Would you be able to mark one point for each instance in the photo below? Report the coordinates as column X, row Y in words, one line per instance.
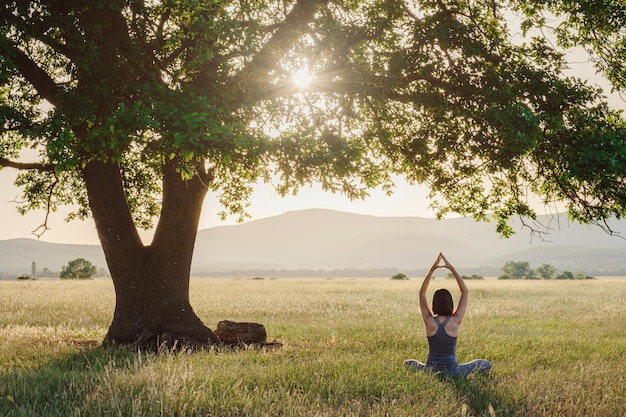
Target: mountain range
column 327, row 240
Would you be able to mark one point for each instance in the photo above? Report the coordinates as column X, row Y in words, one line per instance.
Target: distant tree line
column 394, row 273
column 522, row 270
column 302, row 273
column 466, row 277
column 511, row 270
column 79, row 268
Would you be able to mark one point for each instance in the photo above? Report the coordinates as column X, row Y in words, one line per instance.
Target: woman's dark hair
column 442, row 303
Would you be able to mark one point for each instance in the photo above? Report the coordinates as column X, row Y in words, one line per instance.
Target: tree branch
column 37, row 77
column 26, row 165
column 41, row 33
column 278, row 45
column 43, row 228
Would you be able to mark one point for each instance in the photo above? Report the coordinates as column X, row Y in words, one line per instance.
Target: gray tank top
column 441, row 347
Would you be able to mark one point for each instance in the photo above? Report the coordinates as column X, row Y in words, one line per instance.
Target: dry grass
column 558, row 349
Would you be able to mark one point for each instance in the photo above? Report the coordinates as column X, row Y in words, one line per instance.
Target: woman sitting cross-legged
column 442, row 329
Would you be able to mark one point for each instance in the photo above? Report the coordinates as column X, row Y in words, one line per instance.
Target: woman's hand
column 436, row 264
column 446, row 264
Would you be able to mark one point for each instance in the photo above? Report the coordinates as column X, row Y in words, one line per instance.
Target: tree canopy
column 136, row 109
column 596, row 26
column 546, row 271
column 79, row 268
column 518, row 270
column 432, row 90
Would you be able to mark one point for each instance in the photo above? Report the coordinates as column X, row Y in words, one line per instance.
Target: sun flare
column 302, row 78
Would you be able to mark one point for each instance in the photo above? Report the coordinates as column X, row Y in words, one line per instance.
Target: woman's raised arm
column 426, row 314
column 460, row 310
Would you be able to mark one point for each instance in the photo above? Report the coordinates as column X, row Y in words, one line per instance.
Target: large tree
column 137, row 109
column 598, row 26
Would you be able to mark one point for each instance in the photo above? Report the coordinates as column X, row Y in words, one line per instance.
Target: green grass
column 557, row 348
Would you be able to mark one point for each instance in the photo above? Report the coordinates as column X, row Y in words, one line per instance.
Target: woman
column 442, row 328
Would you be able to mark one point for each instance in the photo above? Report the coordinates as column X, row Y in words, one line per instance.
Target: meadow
column 558, row 348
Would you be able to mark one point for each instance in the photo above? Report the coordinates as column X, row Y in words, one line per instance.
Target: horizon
column 337, row 241
column 406, row 201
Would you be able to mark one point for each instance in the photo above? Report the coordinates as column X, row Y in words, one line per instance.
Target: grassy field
column 558, row 348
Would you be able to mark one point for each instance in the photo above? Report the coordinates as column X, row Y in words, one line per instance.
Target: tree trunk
column 152, row 306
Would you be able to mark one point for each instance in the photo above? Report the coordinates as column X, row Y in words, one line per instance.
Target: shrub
column 400, row 276
column 582, row 276
column 569, row 275
column 466, row 277
column 25, row 277
column 473, row 276
column 565, row 275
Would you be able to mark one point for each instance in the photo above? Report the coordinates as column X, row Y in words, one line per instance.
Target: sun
column 302, row 78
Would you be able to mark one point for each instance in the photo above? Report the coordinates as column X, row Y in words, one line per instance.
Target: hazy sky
column 406, row 201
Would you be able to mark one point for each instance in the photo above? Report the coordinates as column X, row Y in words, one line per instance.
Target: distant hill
column 17, row 255
column 319, row 239
column 327, row 240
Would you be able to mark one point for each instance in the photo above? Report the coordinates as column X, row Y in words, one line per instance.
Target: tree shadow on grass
column 480, row 396
column 71, row 377
column 58, row 384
